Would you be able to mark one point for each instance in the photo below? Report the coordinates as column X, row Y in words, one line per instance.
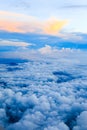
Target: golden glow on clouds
column 53, row 26
column 20, row 27
column 13, row 22
column 10, row 26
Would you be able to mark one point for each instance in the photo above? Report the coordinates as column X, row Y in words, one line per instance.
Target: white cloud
column 81, row 121
column 47, row 93
column 47, row 50
column 14, row 43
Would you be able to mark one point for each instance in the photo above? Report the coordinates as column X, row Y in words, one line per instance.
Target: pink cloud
column 22, row 23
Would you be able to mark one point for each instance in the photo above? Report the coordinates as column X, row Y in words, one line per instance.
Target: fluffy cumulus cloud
column 47, row 50
column 44, row 93
column 82, row 121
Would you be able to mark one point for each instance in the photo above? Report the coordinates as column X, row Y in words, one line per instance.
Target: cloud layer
column 46, row 93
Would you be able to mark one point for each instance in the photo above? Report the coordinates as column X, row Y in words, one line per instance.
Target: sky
column 66, row 19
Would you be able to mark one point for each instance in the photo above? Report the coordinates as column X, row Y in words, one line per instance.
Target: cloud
column 15, row 17
column 20, row 27
column 10, row 26
column 32, row 98
column 47, row 50
column 21, row 4
column 14, row 43
column 13, row 22
column 71, row 36
column 53, row 26
column 75, row 7
column 81, row 121
column 17, row 6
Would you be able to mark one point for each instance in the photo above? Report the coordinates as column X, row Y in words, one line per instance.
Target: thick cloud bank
column 44, row 94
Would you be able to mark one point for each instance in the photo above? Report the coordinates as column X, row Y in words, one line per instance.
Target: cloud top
column 46, row 92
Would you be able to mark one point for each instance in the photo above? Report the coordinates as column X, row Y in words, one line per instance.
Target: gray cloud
column 74, row 6
column 25, row 4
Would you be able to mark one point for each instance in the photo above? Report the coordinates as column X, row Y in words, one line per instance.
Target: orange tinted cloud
column 13, row 22
column 20, row 27
column 11, row 16
column 53, row 26
column 10, row 26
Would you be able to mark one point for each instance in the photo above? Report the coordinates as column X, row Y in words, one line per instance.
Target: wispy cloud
column 20, row 4
column 13, row 22
column 11, row 16
column 14, row 43
column 75, row 6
